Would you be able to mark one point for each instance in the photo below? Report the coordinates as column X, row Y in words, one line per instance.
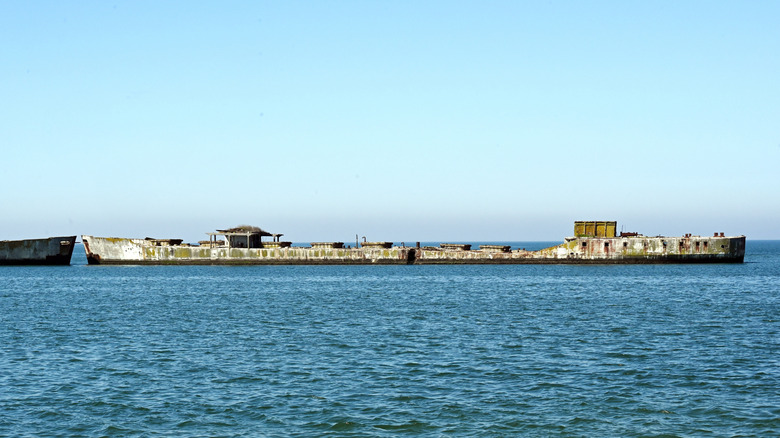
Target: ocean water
column 625, row 351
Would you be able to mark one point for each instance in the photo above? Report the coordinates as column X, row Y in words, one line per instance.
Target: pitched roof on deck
column 245, row 229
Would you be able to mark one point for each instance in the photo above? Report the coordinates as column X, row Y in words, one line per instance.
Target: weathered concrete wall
column 623, row 250
column 118, row 250
column 47, row 251
column 640, row 249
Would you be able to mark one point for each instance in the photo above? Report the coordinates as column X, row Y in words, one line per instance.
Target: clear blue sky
column 400, row 121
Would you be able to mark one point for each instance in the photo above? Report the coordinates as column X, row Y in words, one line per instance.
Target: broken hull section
column 594, row 250
column 579, row 250
column 46, row 251
column 114, row 250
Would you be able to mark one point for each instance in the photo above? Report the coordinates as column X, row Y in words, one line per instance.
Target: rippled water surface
column 392, row 350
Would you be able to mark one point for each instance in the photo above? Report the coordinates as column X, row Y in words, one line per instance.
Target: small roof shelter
column 243, row 236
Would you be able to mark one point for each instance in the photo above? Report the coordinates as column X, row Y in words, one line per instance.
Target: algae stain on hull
column 575, row 250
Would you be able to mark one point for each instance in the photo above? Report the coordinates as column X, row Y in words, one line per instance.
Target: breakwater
column 575, row 250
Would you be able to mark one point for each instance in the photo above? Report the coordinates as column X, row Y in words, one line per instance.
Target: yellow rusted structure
column 595, row 228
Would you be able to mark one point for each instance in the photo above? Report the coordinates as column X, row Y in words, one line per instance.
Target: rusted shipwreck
column 44, row 251
column 594, row 242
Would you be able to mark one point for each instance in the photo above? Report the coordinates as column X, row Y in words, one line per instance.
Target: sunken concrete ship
column 45, row 251
column 594, row 242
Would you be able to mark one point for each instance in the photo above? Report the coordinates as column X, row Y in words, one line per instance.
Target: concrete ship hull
column 46, row 251
column 616, row 250
column 577, row 250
